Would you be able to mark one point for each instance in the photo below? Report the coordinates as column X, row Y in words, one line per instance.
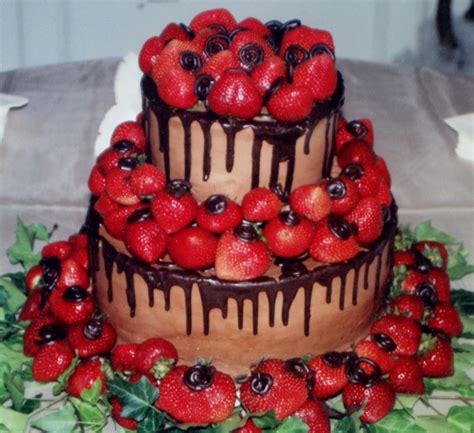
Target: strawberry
column 365, row 176
column 193, row 248
column 267, row 73
column 437, row 361
column 105, row 205
column 356, row 151
column 406, row 377
column 436, row 252
column 77, row 241
column 71, row 304
column 382, row 169
column 82, row 257
column 147, row 179
column 144, row 238
column 73, row 274
column 220, row 16
column 440, row 281
column 260, row 204
column 176, row 88
column 343, row 193
column 251, row 49
column 96, row 181
column 123, row 357
column 411, row 306
column 406, row 258
column 115, row 221
column 32, row 307
column 367, row 217
column 84, row 376
column 255, row 25
column 445, row 318
column 92, row 337
column 51, row 361
column 379, row 351
column 319, row 75
column 130, row 131
column 211, row 40
column 311, row 201
column 153, row 350
column 218, row 214
column 384, row 195
column 219, row 63
column 291, row 103
column 117, row 407
column 235, row 95
column 150, row 53
column 360, row 129
column 249, row 427
column 314, row 415
column 118, row 188
column 174, row 31
column 306, row 38
column 175, row 207
column 42, row 331
column 329, row 375
column 413, row 279
column 199, row 394
column 288, row 235
column 110, row 157
column 274, row 385
column 378, row 400
column 405, row 333
column 240, row 255
column 59, row 249
column 333, row 241
column 33, row 277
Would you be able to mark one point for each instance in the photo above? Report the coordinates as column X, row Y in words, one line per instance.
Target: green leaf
column 265, row 420
column 426, row 232
column 16, row 388
column 5, row 369
column 398, row 421
column 4, row 429
column 61, row 383
column 92, row 394
column 461, row 418
column 404, row 238
column 291, row 424
column 435, row 424
column 136, row 398
column 91, row 416
column 345, row 425
column 13, row 421
column 13, row 358
column 463, row 300
column 154, row 422
column 15, row 297
column 63, row 420
column 18, row 278
column 468, row 327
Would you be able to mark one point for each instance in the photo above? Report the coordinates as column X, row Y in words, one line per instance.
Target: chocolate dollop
column 93, row 329
column 427, row 292
column 51, row 333
column 246, row 232
column 353, row 171
column 128, row 164
column 339, row 227
column 357, row 129
column 202, row 86
column 333, row 359
column 289, row 218
column 385, row 342
column 357, row 375
column 178, row 188
column 215, row 204
column 123, row 146
column 336, row 188
column 318, row 49
column 261, row 383
column 140, row 215
column 75, row 294
column 199, row 377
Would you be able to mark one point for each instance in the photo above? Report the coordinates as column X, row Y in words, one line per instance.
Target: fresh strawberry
column 211, row 17
column 406, row 377
column 378, row 400
column 411, row 306
column 440, row 280
column 59, row 249
column 123, row 357
column 343, row 193
column 193, row 248
column 333, row 241
column 437, row 361
column 360, row 129
column 73, row 274
column 42, row 331
column 306, row 38
column 115, row 221
column 406, row 258
column 274, row 386
column 176, row 88
column 251, row 49
column 241, row 255
column 82, row 257
column 291, row 103
column 33, row 277
column 288, row 235
column 356, row 151
column 147, row 180
column 71, row 304
column 211, row 40
column 199, row 394
column 329, row 374
column 218, row 214
column 117, row 407
column 319, row 75
column 92, row 337
column 267, row 73
column 255, row 25
column 84, row 376
column 405, row 333
column 260, row 204
column 249, row 427
column 413, row 279
column 149, row 53
column 445, row 318
column 175, row 207
column 384, row 195
column 51, row 361
column 377, row 351
column 174, row 31
column 382, row 169
column 151, row 351
column 96, row 181
column 105, row 205
column 118, row 188
column 32, row 308
column 311, row 201
column 235, row 95
column 368, row 218
column 129, row 131
column 78, row 241
column 314, row 415
column 110, row 157
column 144, row 238
column 366, row 178
column 436, row 252
column 219, row 63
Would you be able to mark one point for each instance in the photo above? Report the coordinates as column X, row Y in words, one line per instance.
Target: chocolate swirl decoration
column 75, row 294
column 51, row 272
column 289, row 218
column 278, row 30
column 318, row 49
column 51, row 333
column 251, row 55
column 215, row 44
column 296, row 54
column 422, row 263
column 357, row 375
column 385, row 342
column 336, row 188
column 427, row 292
column 219, row 27
column 123, row 146
column 246, row 232
column 333, row 359
column 140, row 215
column 339, row 227
column 215, row 204
column 178, row 188
column 202, row 86
column 190, row 61
column 188, row 30
column 261, row 383
column 128, row 164
column 274, row 87
column 199, row 377
column 357, row 129
column 93, row 329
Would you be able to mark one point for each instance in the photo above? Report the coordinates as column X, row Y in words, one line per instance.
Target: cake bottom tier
column 312, row 309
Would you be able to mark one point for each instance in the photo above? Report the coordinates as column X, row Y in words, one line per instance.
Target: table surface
column 48, row 147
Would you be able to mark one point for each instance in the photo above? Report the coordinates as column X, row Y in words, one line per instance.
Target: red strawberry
column 260, row 204
column 40, row 332
column 218, row 214
column 199, row 394
column 193, row 248
column 51, row 361
column 360, row 129
column 105, row 205
column 79, row 241
column 445, row 318
column 175, row 207
column 384, row 195
column 437, row 361
column 151, row 351
column 149, row 53
column 241, row 255
column 306, row 38
column 314, row 415
column 71, row 304
column 255, row 25
column 249, row 427
column 368, row 218
column 82, row 257
column 274, row 386
column 129, row 131
column 366, row 178
column 235, row 95
column 406, row 258
column 343, row 193
column 319, row 75
column 128, row 423
column 406, row 377
column 147, row 180
column 251, row 49
column 311, row 201
column 405, row 332
column 118, row 188
column 267, row 73
column 33, row 277
column 110, row 157
column 378, row 352
column 291, row 103
column 440, row 280
column 219, row 63
column 96, row 181
column 176, row 87
column 182, row 55
column 123, row 357
column 84, row 376
column 174, row 31
column 92, row 337
column 411, row 306
column 211, row 17
column 210, row 46
column 329, row 375
column 288, row 235
column 436, row 252
column 413, row 279
column 73, row 274
column 333, row 241
column 145, row 239
column 382, row 168
column 378, row 400
column 59, row 249
column 116, row 221
column 32, row 307
column 356, row 151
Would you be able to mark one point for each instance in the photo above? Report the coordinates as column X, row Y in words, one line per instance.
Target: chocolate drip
column 186, row 121
column 366, row 276
column 256, row 153
column 206, row 164
column 355, row 287
column 377, row 274
column 342, row 292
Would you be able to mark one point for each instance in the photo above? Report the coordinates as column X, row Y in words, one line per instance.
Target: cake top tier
column 241, row 69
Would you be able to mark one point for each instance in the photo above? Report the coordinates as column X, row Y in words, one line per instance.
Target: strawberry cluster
column 237, row 68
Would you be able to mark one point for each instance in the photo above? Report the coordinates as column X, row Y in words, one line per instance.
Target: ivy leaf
column 15, row 298
column 154, row 422
column 461, row 418
column 463, row 300
column 5, row 369
column 468, row 327
column 398, row 421
column 13, row 358
column 18, row 278
column 16, row 388
column 136, row 398
column 29, row 405
column 291, row 424
column 92, row 394
column 13, row 421
column 404, row 238
column 426, row 232
column 265, row 420
column 61, row 421
column 435, row 424
column 90, row 416
column 61, row 383
column 345, row 425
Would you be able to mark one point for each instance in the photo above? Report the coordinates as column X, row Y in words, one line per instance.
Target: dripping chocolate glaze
column 216, row 293
column 281, row 135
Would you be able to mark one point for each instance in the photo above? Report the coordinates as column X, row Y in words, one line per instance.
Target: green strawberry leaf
column 463, row 300
column 63, row 420
column 61, row 383
column 291, row 424
column 404, row 238
column 426, row 232
column 345, row 425
column 265, row 420
column 15, row 298
column 5, row 370
column 398, row 421
column 92, row 395
column 154, row 422
column 461, row 418
column 91, row 417
column 14, row 358
column 13, row 421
